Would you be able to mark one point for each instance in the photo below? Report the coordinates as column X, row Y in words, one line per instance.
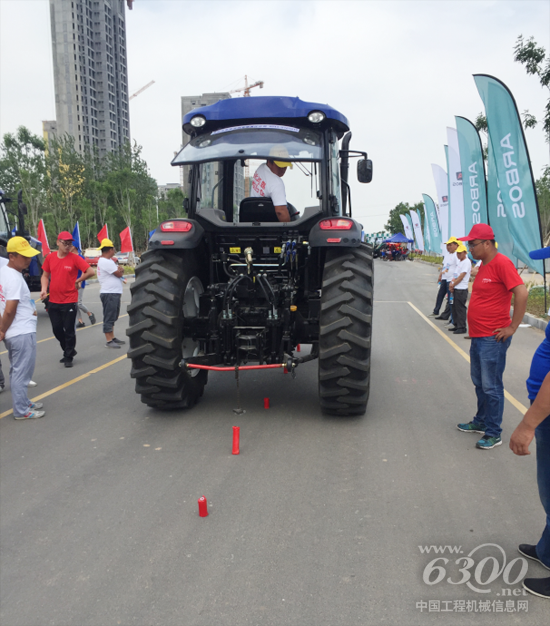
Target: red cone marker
column 298, row 348
column 203, row 507
column 266, row 403
column 236, row 438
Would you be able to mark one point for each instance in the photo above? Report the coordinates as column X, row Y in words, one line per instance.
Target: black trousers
column 440, row 295
column 63, row 318
column 459, row 308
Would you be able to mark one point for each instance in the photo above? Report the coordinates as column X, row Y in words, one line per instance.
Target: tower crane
column 140, row 90
column 247, row 87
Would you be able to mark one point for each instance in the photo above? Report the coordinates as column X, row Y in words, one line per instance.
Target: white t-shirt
column 108, row 283
column 463, row 266
column 449, row 266
column 266, row 184
column 14, row 287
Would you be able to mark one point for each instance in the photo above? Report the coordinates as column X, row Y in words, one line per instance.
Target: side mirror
column 364, row 171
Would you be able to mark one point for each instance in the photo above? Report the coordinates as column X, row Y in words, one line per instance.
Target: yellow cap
column 279, row 152
column 452, row 240
column 461, row 248
column 18, row 245
column 106, row 243
column 283, row 164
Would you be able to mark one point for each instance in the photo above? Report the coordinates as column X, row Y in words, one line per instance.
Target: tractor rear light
column 167, row 242
column 336, row 224
column 177, row 226
column 334, row 240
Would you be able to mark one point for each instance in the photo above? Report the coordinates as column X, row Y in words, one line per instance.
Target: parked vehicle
column 230, row 284
column 127, row 258
column 92, row 255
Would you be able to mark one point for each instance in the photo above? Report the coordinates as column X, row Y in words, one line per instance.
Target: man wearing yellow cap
column 445, row 276
column 109, row 275
column 267, row 183
column 18, row 326
column 458, row 287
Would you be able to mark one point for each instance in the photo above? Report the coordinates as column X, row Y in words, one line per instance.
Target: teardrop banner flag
column 433, row 224
column 456, row 196
column 474, row 184
column 495, row 210
column 442, row 189
column 103, row 234
column 511, row 159
column 417, row 230
column 42, row 238
column 427, row 238
column 408, row 229
column 126, row 241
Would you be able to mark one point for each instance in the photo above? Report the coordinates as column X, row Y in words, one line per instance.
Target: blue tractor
column 230, row 286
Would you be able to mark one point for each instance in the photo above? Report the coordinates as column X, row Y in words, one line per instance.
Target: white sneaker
column 32, row 383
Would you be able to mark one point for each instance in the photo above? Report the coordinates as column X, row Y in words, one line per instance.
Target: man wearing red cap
column 491, row 331
column 60, row 271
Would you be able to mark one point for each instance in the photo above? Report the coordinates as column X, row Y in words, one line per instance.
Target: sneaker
column 36, row 405
column 92, row 318
column 433, row 314
column 471, row 427
column 487, row 443
column 451, row 328
column 81, row 325
column 119, row 341
column 538, row 587
column 63, row 359
column 31, row 415
column 530, row 552
column 2, row 387
column 460, row 331
column 112, row 344
column 440, row 317
column 32, row 383
column 68, row 362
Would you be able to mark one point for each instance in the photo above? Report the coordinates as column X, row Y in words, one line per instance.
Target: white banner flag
column 407, row 228
column 440, row 177
column 456, row 196
column 417, row 230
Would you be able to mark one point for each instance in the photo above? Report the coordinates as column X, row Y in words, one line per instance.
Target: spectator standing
column 3, row 262
column 445, row 276
column 491, row 331
column 60, row 272
column 458, row 287
column 110, row 277
column 18, row 326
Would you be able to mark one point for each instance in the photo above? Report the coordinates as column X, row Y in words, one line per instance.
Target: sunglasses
column 471, row 244
column 66, row 243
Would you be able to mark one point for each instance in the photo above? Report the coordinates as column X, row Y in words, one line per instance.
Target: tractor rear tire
column 165, row 293
column 345, row 331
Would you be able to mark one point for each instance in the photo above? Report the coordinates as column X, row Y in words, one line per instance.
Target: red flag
column 41, row 236
column 103, row 234
column 126, row 241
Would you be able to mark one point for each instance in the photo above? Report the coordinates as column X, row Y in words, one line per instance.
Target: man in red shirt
column 491, row 330
column 60, row 271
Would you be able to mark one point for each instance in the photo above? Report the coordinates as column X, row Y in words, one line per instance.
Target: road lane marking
column 77, row 330
column 516, row 403
column 69, row 383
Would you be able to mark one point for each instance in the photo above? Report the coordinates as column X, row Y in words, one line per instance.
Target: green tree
column 536, row 63
column 395, row 225
column 22, row 166
column 542, row 186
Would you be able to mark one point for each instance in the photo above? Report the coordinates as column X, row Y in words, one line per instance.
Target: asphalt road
column 317, row 522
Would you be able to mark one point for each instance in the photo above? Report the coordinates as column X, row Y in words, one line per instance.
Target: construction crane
column 247, row 87
column 140, row 90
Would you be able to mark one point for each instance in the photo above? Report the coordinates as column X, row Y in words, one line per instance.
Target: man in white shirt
column 110, row 276
column 18, row 326
column 459, row 290
column 3, row 262
column 267, row 183
column 445, row 277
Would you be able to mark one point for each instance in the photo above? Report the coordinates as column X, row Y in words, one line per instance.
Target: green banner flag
column 474, row 185
column 518, row 204
column 433, row 224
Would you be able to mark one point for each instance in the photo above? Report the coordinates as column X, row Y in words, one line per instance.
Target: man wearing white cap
column 109, row 275
column 267, row 183
column 18, row 326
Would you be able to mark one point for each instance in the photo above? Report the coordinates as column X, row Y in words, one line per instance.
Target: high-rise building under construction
column 90, row 72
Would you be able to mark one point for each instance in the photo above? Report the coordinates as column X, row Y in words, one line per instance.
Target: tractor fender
column 335, row 237
column 177, row 240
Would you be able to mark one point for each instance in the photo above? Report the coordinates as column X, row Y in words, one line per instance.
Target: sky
column 398, row 70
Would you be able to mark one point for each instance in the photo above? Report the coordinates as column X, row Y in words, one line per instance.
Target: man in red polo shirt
column 491, row 330
column 60, row 271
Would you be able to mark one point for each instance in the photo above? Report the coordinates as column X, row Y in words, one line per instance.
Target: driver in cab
column 267, row 183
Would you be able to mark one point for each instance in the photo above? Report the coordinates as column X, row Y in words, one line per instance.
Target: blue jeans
column 487, row 363
column 542, row 434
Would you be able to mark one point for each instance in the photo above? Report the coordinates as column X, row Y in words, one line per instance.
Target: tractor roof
column 264, row 108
